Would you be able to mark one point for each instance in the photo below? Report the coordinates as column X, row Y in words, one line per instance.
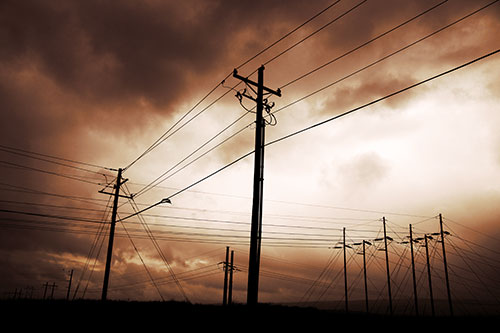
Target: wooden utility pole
column 53, row 287
column 387, row 266
column 226, row 268
column 69, row 284
column 429, row 274
column 442, row 232
column 258, row 184
column 231, row 270
column 364, row 274
column 413, row 272
column 46, row 285
column 109, row 256
column 345, row 272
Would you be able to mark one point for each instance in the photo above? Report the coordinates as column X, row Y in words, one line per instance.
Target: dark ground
column 65, row 316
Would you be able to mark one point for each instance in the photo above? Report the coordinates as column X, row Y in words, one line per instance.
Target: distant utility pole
column 227, row 294
column 109, row 256
column 442, row 232
column 345, row 272
column 426, row 237
column 53, row 287
column 258, row 183
column 69, row 284
column 226, row 271
column 364, row 273
column 413, row 272
column 230, row 292
column 45, row 286
column 387, row 266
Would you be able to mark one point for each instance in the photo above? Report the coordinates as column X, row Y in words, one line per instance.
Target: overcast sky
column 100, row 82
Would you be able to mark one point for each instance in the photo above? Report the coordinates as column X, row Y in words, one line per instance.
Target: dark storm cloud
column 110, row 51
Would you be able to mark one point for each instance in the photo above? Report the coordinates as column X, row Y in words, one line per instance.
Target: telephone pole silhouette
column 69, row 284
column 345, row 272
column 413, row 272
column 226, row 271
column 109, row 256
column 228, row 266
column 431, row 295
column 442, row 233
column 258, row 182
column 387, row 268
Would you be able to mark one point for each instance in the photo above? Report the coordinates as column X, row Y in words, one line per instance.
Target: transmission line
column 384, row 58
column 316, row 31
column 322, row 123
column 166, row 135
column 362, row 45
column 384, row 97
column 27, row 153
column 157, row 247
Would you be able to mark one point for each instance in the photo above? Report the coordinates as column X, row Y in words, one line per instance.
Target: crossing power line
column 373, row 102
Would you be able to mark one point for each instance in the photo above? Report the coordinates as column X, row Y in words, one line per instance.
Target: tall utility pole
column 258, row 184
column 69, row 284
column 445, row 264
column 226, row 268
column 387, row 266
column 345, row 272
column 109, row 256
column 429, row 274
column 413, row 272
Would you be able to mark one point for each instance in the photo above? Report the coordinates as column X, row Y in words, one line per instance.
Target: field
column 168, row 316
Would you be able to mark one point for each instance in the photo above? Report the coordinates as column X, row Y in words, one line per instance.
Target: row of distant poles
column 411, row 241
column 48, row 290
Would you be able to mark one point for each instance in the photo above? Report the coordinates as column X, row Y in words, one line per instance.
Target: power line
column 384, row 97
column 358, row 108
column 316, row 31
column 164, row 136
column 288, row 33
column 158, row 248
column 48, row 172
column 51, row 216
column 363, row 45
column 25, row 153
column 383, row 58
column 322, row 123
column 143, row 263
column 157, row 181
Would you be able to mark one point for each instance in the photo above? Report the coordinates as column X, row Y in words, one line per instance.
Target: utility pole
column 109, row 256
column 364, row 274
column 387, row 266
column 53, row 287
column 445, row 264
column 226, row 268
column 230, row 292
column 429, row 273
column 413, row 272
column 345, row 272
column 69, row 285
column 258, row 184
column 46, row 285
